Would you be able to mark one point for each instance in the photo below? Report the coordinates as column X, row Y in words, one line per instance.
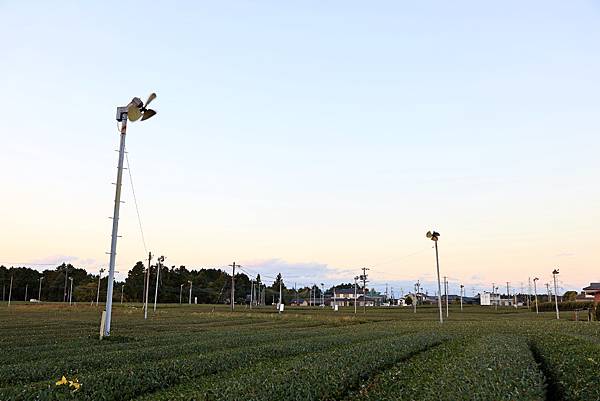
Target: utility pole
column 26, row 286
column 364, row 280
column 461, row 297
column 252, row 293
column 147, row 286
column 507, row 294
column 122, row 288
column 39, row 291
column 190, row 300
column 537, row 312
column 233, row 266
column 492, row 294
column 158, row 267
column 98, row 291
column 548, row 290
column 446, row 293
column 386, row 292
column 180, row 292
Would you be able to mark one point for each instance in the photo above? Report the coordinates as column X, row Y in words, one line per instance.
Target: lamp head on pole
column 555, row 271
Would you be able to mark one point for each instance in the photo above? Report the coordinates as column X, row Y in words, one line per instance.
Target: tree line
column 212, row 286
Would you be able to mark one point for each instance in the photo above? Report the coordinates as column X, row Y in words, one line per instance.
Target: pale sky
column 311, row 138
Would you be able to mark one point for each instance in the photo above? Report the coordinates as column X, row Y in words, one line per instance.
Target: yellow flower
column 75, row 384
column 61, row 381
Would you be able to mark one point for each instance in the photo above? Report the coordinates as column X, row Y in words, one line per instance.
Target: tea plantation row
column 197, row 353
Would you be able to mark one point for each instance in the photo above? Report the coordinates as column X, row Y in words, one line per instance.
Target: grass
column 205, row 352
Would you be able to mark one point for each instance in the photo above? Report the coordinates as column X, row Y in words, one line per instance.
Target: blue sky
column 314, row 134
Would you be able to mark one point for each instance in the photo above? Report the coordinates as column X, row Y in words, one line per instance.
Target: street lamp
column 537, row 312
column 133, row 111
column 190, row 300
column 180, row 291
column 434, row 237
column 98, row 292
column 554, row 274
column 71, row 291
column 461, row 296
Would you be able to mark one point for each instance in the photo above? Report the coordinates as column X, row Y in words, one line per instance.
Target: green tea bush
column 490, row 367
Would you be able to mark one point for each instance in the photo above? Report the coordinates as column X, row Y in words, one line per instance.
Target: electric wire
column 137, row 209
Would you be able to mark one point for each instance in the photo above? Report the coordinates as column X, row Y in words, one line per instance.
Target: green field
column 200, row 352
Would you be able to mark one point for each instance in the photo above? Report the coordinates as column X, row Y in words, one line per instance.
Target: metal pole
column 147, row 285
column 461, row 297
column 158, row 266
column 507, row 294
column 355, row 295
column 66, row 281
column 40, row 290
column 537, row 312
column 190, row 300
column 233, row 265
column 122, row 287
column 556, row 297
column 180, row 292
column 10, row 290
column 115, row 229
column 98, row 292
column 71, row 292
column 446, row 293
column 252, row 293
column 26, row 287
column 437, row 261
column 416, row 297
column 279, row 306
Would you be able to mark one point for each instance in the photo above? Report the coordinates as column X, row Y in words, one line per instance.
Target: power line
column 137, row 210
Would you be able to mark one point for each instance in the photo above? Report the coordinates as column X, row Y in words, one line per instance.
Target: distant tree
column 569, row 296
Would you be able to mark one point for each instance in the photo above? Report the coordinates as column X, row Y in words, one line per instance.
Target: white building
column 489, row 299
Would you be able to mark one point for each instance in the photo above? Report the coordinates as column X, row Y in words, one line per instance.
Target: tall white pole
column 40, row 290
column 537, row 312
column 190, row 300
column 461, row 297
column 98, row 292
column 180, row 292
column 446, row 292
column 115, row 229
column 355, row 294
column 556, row 295
column 437, row 262
column 252, row 293
column 147, row 284
column 26, row 287
column 158, row 266
column 71, row 291
column 10, row 290
column 122, row 288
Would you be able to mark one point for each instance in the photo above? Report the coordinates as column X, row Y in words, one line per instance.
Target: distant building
column 298, row 302
column 592, row 292
column 489, row 299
